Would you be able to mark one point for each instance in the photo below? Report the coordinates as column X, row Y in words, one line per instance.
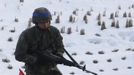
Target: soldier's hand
column 48, row 57
column 66, row 62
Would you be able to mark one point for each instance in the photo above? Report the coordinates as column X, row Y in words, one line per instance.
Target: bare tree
column 104, row 13
column 21, row 1
column 116, row 14
column 127, row 23
column 88, row 13
column 71, row 18
column 112, row 16
column 132, row 5
column 103, row 26
column 85, row 19
column 63, row 29
column 117, row 24
column 130, row 23
column 57, row 19
column 82, row 32
column 129, row 14
column 119, row 7
column 125, row 14
column 29, row 23
column 16, row 20
column 99, row 23
column 69, row 30
column 113, row 23
column 99, row 17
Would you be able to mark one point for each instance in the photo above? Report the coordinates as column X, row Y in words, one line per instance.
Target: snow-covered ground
column 106, row 52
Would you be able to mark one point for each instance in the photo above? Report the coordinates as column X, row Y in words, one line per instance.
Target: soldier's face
column 44, row 24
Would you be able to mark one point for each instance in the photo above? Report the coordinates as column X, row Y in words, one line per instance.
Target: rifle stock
column 77, row 65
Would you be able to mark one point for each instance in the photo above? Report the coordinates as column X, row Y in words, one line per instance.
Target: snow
column 116, row 43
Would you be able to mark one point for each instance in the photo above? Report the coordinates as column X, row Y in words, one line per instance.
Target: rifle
column 77, row 65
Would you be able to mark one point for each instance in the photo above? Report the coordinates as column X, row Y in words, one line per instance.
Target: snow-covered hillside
column 107, row 51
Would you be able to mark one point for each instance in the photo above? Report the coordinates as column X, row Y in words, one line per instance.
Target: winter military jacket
column 35, row 39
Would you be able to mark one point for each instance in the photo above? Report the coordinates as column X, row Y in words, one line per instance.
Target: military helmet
column 41, row 14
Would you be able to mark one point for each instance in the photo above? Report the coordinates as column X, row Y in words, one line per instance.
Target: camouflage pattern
column 34, row 39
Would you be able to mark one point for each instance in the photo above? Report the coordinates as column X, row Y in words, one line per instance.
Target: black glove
column 47, row 57
column 43, row 59
column 30, row 59
column 64, row 61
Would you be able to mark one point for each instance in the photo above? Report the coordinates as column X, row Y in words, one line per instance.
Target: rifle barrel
column 90, row 72
column 80, row 67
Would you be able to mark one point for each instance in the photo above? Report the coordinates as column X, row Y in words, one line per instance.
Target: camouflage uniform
column 34, row 39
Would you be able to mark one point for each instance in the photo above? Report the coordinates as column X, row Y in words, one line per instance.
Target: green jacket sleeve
column 21, row 50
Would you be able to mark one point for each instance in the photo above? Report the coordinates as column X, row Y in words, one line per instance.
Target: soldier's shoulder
column 54, row 29
column 28, row 31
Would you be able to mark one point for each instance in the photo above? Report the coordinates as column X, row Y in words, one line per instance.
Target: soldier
column 40, row 47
